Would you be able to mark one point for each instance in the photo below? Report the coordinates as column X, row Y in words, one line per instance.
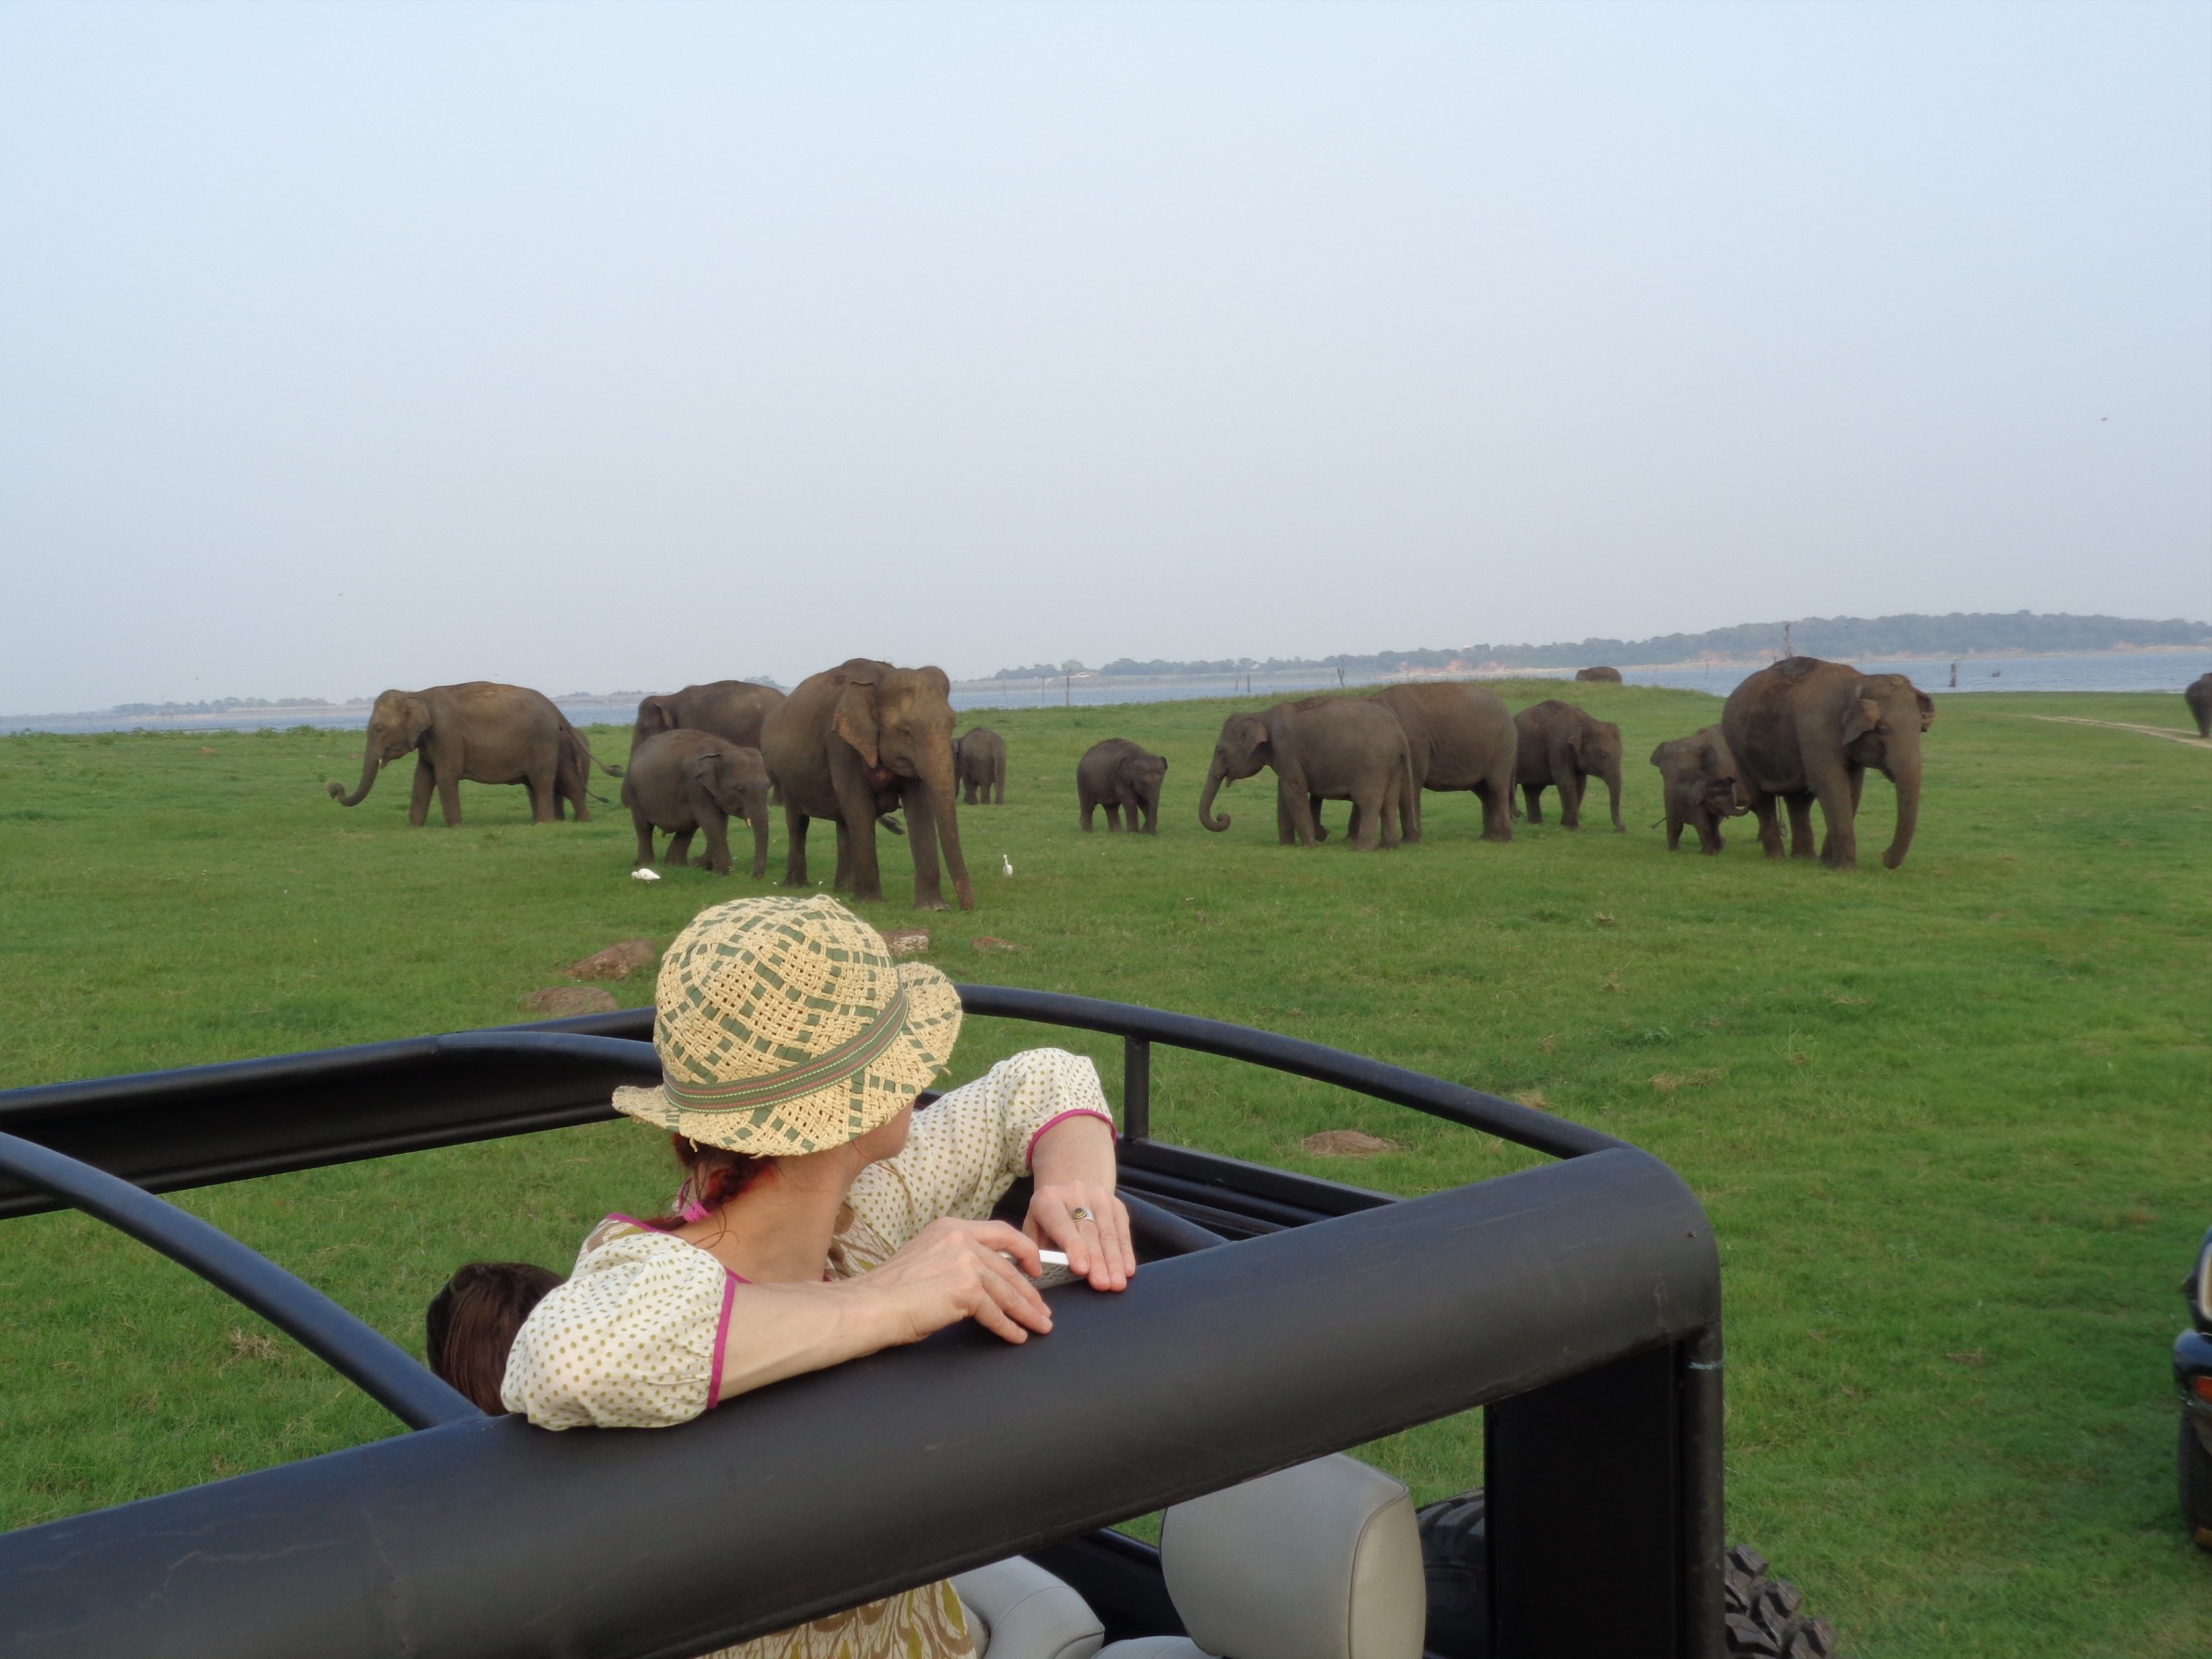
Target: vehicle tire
column 2195, row 1464
column 1765, row 1616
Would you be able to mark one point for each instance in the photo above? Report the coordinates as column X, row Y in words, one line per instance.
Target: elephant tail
column 584, row 748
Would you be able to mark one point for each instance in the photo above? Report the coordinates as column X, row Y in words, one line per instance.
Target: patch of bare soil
column 906, row 941
column 561, row 1002
column 617, row 961
column 1348, row 1143
column 2170, row 732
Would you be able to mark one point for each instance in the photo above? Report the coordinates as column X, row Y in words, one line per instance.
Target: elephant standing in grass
column 1805, row 730
column 980, row 759
column 685, row 781
column 727, row 708
column 859, row 740
column 477, row 732
column 1608, row 677
column 1333, row 748
column 1118, row 775
column 1460, row 736
column 2199, row 695
column 1698, row 776
column 1562, row 747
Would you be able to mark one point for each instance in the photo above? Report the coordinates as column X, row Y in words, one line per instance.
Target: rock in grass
column 560, row 1001
column 906, row 941
column 617, row 961
column 1348, row 1143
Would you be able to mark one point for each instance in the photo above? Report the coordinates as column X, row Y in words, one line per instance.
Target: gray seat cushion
column 1319, row 1561
column 1018, row 1610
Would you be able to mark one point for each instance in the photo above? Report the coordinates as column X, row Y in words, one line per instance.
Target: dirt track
column 2120, row 725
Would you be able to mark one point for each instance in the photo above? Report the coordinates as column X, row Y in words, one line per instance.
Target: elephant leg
column 1151, row 811
column 1857, row 776
column 644, row 826
column 999, row 791
column 1320, row 830
column 1769, row 830
column 418, row 802
column 1534, row 794
column 1090, row 809
column 1801, row 824
column 795, row 852
column 1570, row 799
column 1113, row 818
column 679, row 849
column 1709, row 833
column 759, row 823
column 1391, row 809
column 1497, row 799
column 1285, row 821
column 858, row 872
column 716, row 824
column 1840, row 846
column 842, row 881
column 1674, row 830
column 542, row 798
column 448, row 796
column 921, row 842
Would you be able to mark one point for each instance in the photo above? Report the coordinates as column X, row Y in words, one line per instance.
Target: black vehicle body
column 2193, row 1378
column 1281, row 1317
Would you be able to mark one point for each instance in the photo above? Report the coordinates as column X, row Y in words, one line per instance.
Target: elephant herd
column 859, row 742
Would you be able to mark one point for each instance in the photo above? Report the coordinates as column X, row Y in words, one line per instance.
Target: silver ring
column 1080, row 1214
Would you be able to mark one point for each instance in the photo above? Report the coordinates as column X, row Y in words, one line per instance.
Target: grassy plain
column 1950, row 1122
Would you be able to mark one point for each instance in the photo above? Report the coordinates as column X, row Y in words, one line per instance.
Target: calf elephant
column 856, row 741
column 1118, row 775
column 477, row 732
column 1332, row 748
column 1698, row 776
column 1562, row 747
column 1609, row 677
column 1805, row 730
column 728, row 709
column 684, row 781
column 979, row 758
column 2198, row 694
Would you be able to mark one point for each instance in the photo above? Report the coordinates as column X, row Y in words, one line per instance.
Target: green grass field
column 1951, row 1122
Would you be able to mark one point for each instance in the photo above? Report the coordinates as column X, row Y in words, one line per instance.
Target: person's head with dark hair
column 471, row 1325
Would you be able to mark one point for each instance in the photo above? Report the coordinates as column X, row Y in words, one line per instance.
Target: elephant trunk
column 1612, row 777
column 371, row 765
column 1905, row 774
column 1214, row 775
column 941, row 806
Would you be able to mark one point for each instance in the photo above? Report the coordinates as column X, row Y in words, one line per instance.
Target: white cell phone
column 1052, row 1258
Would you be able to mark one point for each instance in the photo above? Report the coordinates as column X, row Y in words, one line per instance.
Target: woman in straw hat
column 820, row 1218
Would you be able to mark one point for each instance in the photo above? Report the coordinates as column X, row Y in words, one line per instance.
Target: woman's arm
column 1074, row 1168
column 953, row 1270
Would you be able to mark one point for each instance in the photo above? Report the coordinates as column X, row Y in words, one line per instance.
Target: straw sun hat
column 784, row 1027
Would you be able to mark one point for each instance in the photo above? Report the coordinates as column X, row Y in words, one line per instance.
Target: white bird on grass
column 1007, row 862
column 644, row 875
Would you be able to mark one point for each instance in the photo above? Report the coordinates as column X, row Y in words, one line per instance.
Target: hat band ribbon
column 775, row 1087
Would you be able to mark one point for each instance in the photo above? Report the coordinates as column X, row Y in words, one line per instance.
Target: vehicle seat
column 1319, row 1561
column 1018, row 1610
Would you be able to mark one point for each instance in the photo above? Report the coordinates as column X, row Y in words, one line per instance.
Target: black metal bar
column 364, row 1356
column 1165, row 1232
column 1234, row 1179
column 848, row 1484
column 1705, row 1520
column 1137, row 1089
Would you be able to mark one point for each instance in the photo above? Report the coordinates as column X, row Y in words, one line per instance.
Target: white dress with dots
column 634, row 1338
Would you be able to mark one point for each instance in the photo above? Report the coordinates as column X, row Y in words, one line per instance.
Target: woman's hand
column 1073, row 1206
column 955, row 1270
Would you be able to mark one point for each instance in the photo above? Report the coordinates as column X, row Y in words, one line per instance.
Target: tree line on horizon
column 1961, row 633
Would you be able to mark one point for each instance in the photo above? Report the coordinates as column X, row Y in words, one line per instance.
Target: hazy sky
column 622, row 345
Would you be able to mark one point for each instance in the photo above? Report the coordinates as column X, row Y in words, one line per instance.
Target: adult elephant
column 1601, row 676
column 1333, row 748
column 1562, row 747
column 731, row 709
column 2198, row 694
column 1460, row 737
column 857, row 741
column 478, row 732
column 1806, row 730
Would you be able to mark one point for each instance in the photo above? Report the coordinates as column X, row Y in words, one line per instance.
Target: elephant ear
column 1659, row 754
column 1861, row 716
column 1927, row 707
column 657, row 715
column 856, row 719
column 415, row 720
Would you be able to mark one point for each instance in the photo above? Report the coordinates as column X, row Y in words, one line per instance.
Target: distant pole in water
column 1068, row 691
column 1954, row 677
column 1340, row 677
column 1788, row 649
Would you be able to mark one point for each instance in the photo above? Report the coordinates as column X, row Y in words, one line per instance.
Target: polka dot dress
column 628, row 1342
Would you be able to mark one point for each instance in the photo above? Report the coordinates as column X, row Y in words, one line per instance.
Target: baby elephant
column 1698, row 776
column 1117, row 774
column 979, row 760
column 684, row 781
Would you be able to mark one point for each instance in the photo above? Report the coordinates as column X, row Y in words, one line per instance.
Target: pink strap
column 1028, row 1153
column 722, row 1336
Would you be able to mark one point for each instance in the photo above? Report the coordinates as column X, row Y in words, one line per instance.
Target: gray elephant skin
column 979, row 758
column 1607, row 676
column 859, row 740
column 1460, row 737
column 2198, row 694
column 1697, row 775
column 1806, row 730
column 1121, row 777
column 477, row 732
column 1562, row 747
column 1333, row 749
column 686, row 782
column 730, row 708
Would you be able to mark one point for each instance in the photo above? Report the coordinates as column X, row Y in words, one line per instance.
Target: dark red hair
column 712, row 1176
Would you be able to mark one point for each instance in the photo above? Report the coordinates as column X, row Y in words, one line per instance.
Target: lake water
column 2101, row 671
